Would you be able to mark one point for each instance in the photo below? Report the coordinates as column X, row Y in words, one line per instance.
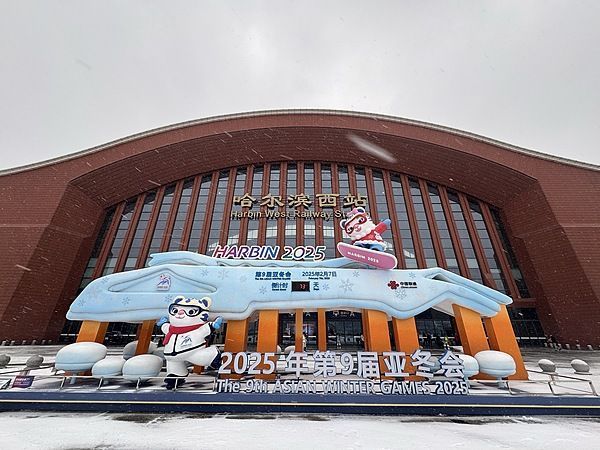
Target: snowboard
column 379, row 260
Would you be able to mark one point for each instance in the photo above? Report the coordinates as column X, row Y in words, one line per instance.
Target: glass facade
column 432, row 225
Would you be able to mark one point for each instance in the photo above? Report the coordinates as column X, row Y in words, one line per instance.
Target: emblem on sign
column 164, row 283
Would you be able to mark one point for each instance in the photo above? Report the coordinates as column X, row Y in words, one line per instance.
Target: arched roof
column 467, row 162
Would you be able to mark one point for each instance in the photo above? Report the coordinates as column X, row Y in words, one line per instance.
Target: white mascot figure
column 359, row 227
column 188, row 338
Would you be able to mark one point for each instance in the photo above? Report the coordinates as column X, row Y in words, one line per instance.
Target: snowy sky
column 76, row 74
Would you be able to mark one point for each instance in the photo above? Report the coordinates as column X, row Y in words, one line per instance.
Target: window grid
column 117, row 243
column 257, row 180
column 271, row 229
column 422, row 223
column 328, row 225
column 309, row 190
column 465, row 237
column 161, row 222
column 408, row 246
column 488, row 249
column 344, row 184
column 443, row 231
column 214, row 231
column 291, row 186
column 138, row 237
column 199, row 214
column 88, row 274
column 238, row 191
column 510, row 255
column 182, row 210
column 383, row 211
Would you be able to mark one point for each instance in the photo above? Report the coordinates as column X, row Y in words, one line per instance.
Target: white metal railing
column 555, row 383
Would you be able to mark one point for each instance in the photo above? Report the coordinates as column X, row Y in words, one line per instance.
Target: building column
column 378, row 335
column 236, row 336
column 268, row 330
column 236, row 340
column 145, row 330
column 406, row 339
column 470, row 330
column 321, row 330
column 92, row 331
column 502, row 338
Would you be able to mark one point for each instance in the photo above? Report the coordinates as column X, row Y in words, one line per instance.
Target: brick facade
column 50, row 213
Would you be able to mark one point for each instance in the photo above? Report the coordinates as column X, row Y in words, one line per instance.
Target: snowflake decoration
column 346, row 285
column 263, row 290
column 104, row 280
column 222, row 273
column 126, row 301
column 168, row 299
column 412, row 275
column 325, row 287
column 356, row 274
column 204, row 272
column 400, row 294
column 82, row 301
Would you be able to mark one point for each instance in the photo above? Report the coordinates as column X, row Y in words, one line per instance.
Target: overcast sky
column 76, row 74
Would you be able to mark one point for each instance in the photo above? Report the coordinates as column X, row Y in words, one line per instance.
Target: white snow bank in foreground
column 63, row 431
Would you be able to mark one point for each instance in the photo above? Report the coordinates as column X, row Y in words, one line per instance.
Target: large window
column 238, row 191
column 142, row 226
column 161, row 223
column 422, row 224
column 199, row 214
column 328, row 225
column 443, row 231
column 465, row 238
column 182, row 210
column 271, row 231
column 408, row 246
column 117, row 243
column 217, row 212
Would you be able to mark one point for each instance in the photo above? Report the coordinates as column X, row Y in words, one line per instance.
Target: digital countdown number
column 300, row 286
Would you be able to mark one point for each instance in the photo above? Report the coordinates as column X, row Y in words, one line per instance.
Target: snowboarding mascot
column 364, row 233
column 188, row 337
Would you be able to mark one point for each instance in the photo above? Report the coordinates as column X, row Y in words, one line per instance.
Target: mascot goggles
column 357, row 218
column 190, row 311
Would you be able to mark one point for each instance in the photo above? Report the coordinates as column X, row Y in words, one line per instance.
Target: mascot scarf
column 180, row 330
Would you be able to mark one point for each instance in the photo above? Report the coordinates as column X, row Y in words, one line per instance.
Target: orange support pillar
column 236, row 339
column 298, row 337
column 502, row 338
column 321, row 330
column 268, row 333
column 92, row 331
column 406, row 339
column 470, row 329
column 378, row 335
column 144, row 337
column 236, row 336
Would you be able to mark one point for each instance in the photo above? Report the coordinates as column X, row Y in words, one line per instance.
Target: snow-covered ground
column 143, row 431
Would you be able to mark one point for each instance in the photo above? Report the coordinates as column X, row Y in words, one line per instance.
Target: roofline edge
column 248, row 114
